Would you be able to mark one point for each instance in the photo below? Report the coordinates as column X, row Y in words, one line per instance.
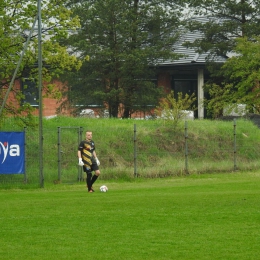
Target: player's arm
column 81, row 163
column 95, row 156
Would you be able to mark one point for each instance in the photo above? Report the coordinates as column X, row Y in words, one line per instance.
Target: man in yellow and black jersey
column 88, row 159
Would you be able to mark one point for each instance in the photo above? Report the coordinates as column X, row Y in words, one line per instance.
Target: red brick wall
column 50, row 105
column 164, row 79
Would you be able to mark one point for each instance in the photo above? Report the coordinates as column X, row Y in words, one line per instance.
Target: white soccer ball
column 103, row 188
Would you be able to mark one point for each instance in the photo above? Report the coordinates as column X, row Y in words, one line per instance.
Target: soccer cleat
column 90, row 191
column 91, row 188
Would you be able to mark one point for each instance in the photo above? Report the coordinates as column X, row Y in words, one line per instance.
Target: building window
column 30, row 91
column 186, row 87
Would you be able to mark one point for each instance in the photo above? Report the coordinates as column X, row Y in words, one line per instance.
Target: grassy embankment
column 160, row 149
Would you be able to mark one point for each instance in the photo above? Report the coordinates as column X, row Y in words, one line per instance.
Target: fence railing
column 136, row 154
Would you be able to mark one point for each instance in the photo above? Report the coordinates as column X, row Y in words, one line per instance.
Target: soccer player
column 88, row 159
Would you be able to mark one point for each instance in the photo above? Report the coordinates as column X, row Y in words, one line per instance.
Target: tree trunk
column 126, row 113
column 113, row 110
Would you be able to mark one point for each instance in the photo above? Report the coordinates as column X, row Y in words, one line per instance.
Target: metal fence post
column 186, row 148
column 25, row 157
column 235, row 146
column 40, row 94
column 59, row 156
column 135, row 155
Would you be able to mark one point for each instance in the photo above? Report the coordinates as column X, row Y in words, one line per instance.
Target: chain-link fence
column 162, row 152
column 186, row 151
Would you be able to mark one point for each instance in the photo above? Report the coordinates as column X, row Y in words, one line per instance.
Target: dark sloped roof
column 190, row 54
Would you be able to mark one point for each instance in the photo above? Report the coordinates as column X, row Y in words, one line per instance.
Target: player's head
column 88, row 135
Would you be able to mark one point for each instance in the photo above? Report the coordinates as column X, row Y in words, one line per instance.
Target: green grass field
column 209, row 216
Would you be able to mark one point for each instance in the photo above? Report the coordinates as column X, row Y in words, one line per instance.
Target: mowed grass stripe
column 197, row 217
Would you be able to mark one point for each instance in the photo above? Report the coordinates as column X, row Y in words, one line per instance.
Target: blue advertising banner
column 12, row 152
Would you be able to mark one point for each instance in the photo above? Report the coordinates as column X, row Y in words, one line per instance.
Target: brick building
column 187, row 75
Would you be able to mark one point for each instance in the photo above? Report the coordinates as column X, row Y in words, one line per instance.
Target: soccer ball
column 103, row 188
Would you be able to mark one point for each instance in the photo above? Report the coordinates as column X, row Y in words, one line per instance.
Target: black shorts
column 94, row 167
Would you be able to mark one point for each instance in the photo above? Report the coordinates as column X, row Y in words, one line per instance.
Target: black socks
column 94, row 178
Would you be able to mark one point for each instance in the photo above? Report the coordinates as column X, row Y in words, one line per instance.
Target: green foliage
column 173, row 110
column 227, row 20
column 241, row 77
column 124, row 41
column 16, row 20
column 229, row 28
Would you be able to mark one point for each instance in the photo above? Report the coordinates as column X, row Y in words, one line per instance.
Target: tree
column 228, row 28
column 226, row 21
column 16, row 20
column 173, row 110
column 241, row 83
column 125, row 40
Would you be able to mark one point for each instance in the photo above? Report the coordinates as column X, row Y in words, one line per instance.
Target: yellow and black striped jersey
column 87, row 148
